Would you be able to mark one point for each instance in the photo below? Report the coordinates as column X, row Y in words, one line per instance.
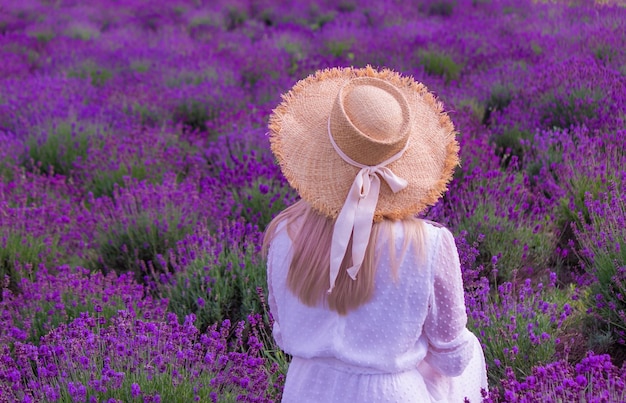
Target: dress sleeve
column 271, row 257
column 449, row 341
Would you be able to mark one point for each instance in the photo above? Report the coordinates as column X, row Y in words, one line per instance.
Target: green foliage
column 183, row 368
column 164, row 384
column 603, row 242
column 439, row 64
column 140, row 66
column 543, row 159
column 57, row 151
column 516, row 241
column 139, row 245
column 563, row 110
column 6, row 172
column 204, row 20
column 508, row 10
column 572, row 208
column 476, row 107
column 235, row 17
column 600, row 339
column 21, row 253
column 442, row 8
column 195, row 114
column 609, row 267
column 180, row 78
column 295, row 51
column 33, row 57
column 346, row 6
column 43, row 36
column 260, row 202
column 84, row 33
column 49, row 314
column 516, row 245
column 268, row 16
column 103, row 183
column 97, row 76
column 8, row 164
column 511, row 143
column 318, row 18
column 584, row 181
column 519, row 329
column 100, row 77
column 147, row 115
column 500, row 97
column 537, row 49
column 605, row 53
column 339, row 48
column 219, row 285
column 254, row 74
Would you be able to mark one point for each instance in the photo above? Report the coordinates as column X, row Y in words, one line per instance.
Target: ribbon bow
column 357, row 214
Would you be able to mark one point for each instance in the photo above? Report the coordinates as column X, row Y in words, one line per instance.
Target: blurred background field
column 136, row 181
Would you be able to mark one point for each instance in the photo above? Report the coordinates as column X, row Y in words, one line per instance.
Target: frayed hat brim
column 299, row 140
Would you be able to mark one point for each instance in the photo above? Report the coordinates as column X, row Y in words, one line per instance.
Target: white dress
column 409, row 343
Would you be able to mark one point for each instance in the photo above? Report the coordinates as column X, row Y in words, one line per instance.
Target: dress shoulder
column 440, row 232
column 435, row 224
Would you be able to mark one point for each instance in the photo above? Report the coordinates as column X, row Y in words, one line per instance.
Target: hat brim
column 298, row 130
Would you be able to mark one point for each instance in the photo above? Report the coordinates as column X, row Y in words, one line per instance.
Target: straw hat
column 371, row 116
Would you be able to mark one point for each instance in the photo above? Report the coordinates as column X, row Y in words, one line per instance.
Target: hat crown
column 370, row 120
column 374, row 111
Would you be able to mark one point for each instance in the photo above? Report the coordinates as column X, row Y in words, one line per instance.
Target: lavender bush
column 594, row 379
column 136, row 180
column 217, row 275
column 603, row 243
column 137, row 360
column 61, row 295
column 519, row 328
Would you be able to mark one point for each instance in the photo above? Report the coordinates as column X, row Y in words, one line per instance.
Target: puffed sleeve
column 271, row 262
column 450, row 348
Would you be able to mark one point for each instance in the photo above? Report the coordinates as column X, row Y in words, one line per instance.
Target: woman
column 367, row 298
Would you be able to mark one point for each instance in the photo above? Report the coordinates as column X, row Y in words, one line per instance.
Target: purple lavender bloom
column 135, row 390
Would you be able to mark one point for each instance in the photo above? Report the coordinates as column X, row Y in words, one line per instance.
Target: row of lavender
column 136, row 180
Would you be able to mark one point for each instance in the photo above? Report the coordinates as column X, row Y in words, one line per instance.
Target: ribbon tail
column 343, row 229
column 353, row 271
column 363, row 226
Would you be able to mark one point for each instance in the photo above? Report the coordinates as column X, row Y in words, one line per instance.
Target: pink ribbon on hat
column 357, row 214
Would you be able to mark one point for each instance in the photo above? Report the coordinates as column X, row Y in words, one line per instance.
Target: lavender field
column 136, row 181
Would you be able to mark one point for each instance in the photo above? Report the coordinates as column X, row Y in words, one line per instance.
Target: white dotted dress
column 409, row 343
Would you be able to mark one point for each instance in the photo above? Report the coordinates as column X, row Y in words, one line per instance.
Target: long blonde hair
column 311, row 235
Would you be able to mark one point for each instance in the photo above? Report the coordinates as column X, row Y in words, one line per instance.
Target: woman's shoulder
column 434, row 234
column 431, row 227
column 434, row 224
column 437, row 228
column 428, row 233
